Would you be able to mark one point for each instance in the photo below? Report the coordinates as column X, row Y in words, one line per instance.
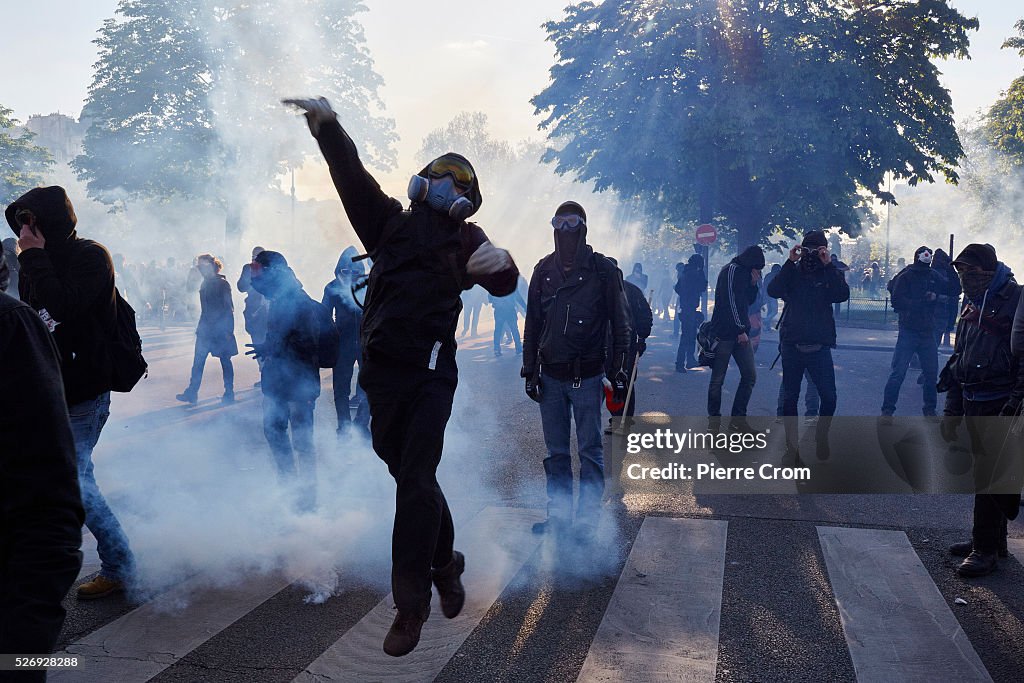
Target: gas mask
column 441, row 195
column 444, row 188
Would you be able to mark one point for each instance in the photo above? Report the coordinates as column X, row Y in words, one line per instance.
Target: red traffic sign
column 706, row 234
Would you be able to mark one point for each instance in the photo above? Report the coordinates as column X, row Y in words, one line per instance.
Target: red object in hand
column 609, row 398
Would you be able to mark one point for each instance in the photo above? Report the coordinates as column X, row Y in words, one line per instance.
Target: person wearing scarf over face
column 424, row 257
column 986, row 379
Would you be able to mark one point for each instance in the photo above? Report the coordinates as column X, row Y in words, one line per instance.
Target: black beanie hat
column 571, row 207
column 815, row 239
column 981, row 255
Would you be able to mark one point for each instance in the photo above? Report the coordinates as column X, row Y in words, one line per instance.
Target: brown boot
column 100, row 587
column 404, row 634
column 449, row 585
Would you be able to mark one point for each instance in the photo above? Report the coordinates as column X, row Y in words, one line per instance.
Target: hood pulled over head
column 751, row 257
column 54, row 214
column 345, row 262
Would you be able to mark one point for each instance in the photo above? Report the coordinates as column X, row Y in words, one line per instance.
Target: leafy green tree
column 185, row 99
column 780, row 116
column 1004, row 122
column 22, row 164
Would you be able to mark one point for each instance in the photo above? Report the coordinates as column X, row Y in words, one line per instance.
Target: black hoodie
column 339, row 300
column 419, row 269
column 72, row 281
column 735, row 291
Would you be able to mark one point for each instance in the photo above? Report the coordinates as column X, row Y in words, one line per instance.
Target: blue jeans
column 812, row 402
column 87, row 420
column 559, row 403
column 908, row 344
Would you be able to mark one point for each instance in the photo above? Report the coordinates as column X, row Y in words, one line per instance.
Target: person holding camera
column 809, row 284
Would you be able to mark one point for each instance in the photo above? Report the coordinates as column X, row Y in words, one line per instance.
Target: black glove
column 533, row 389
column 257, row 351
column 619, row 387
column 641, row 346
column 1010, row 410
column 948, row 427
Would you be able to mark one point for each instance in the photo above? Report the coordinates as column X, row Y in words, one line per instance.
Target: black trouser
column 990, row 509
column 295, row 457
column 689, row 322
column 744, row 356
column 348, row 356
column 409, row 409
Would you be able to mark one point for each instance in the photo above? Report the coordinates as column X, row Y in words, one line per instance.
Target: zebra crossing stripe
column 898, row 627
column 497, row 543
column 1016, row 547
column 662, row 623
column 147, row 640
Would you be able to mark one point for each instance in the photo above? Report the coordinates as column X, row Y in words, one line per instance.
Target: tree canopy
column 185, row 98
column 780, row 115
column 22, row 163
column 1004, row 122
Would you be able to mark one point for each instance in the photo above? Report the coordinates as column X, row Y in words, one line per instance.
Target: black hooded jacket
column 72, row 280
column 691, row 284
column 915, row 292
column 809, row 291
column 41, row 512
column 291, row 369
column 419, row 270
column 735, row 291
column 568, row 313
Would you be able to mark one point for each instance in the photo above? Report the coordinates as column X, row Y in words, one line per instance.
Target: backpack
column 328, row 342
column 706, row 344
column 127, row 365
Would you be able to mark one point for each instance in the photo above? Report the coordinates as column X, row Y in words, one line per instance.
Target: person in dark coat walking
column 215, row 332
column 423, row 258
column 736, row 290
column 41, row 512
column 340, row 300
column 641, row 321
column 69, row 282
column 986, row 379
column 690, row 286
column 947, row 307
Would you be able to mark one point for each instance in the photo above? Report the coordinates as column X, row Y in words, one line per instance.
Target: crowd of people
column 393, row 327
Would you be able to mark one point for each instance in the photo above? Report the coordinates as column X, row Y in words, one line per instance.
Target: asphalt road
column 196, row 493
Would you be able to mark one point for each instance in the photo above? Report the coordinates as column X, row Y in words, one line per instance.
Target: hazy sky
column 491, row 57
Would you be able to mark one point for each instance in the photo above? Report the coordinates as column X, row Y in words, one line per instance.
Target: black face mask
column 269, row 283
column 976, row 282
column 566, row 244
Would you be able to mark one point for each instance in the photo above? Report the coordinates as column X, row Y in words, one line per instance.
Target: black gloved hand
column 619, row 387
column 533, row 389
column 257, row 351
column 641, row 346
column 1010, row 410
column 948, row 427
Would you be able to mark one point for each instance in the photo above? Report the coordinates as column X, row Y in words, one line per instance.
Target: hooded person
column 424, row 257
column 340, row 299
column 575, row 295
column 915, row 292
column 691, row 285
column 638, row 278
column 948, row 304
column 736, row 291
column 810, row 284
column 290, row 373
column 984, row 379
column 69, row 282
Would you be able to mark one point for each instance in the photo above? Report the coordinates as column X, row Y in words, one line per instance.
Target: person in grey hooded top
column 340, row 299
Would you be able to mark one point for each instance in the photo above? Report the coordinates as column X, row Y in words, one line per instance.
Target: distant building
column 61, row 135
